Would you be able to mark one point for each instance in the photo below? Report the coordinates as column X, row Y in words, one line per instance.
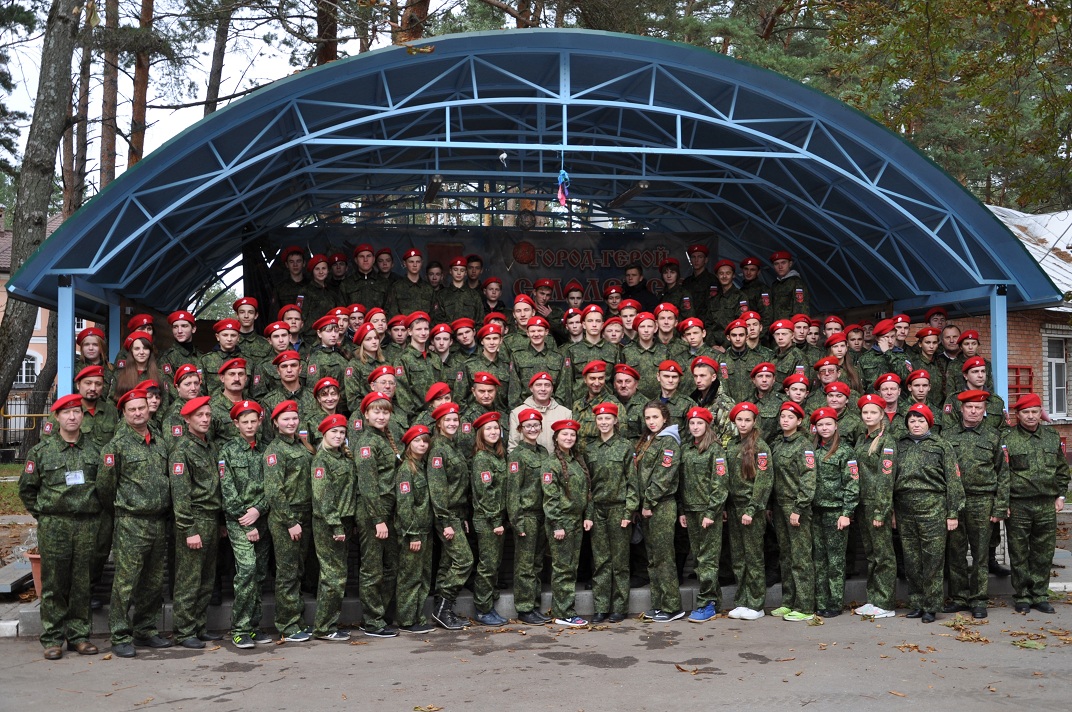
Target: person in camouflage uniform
column 266, row 375
column 736, row 364
column 58, row 487
column 645, row 353
column 850, row 426
column 488, row 360
column 227, row 349
column 319, row 295
column 726, row 303
column 631, row 413
column 93, row 352
column 410, row 293
column 709, row 395
column 667, row 319
column 837, row 492
column 701, row 284
column 524, row 508
column 538, row 356
column 788, row 359
column 245, row 511
column 873, row 458
column 593, row 347
column 766, row 399
column 448, row 480
column 881, row 358
column 926, row 358
column 288, row 495
column 1038, row 481
column 376, row 457
column 651, row 492
column 183, row 327
column 975, row 372
column 488, row 486
column 234, row 376
column 754, row 290
column 608, row 459
column 985, row 476
column 751, row 479
column 794, row 491
column 253, row 346
column 197, row 505
column 334, row 495
column 484, row 394
column 324, row 359
column 418, row 368
column 362, row 285
column 788, row 295
column 413, row 527
column 677, row 404
column 674, row 292
column 701, row 499
column 567, row 517
column 134, row 482
column 456, row 300
column 928, row 497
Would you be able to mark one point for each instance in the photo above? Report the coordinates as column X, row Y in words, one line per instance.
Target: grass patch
column 9, row 499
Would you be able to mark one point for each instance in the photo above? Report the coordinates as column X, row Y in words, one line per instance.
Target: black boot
column 449, row 619
column 996, row 568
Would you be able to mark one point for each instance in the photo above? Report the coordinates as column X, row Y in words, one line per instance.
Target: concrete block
column 9, row 629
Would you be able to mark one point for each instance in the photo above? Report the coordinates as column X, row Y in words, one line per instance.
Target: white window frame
column 1056, row 377
column 19, row 378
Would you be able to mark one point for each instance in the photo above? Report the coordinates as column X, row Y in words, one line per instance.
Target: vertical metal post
column 65, row 339
column 115, row 330
column 999, row 341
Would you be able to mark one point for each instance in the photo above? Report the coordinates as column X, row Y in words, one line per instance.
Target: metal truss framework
column 761, row 161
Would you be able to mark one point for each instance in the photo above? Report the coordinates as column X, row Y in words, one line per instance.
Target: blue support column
column 115, row 330
column 65, row 342
column 999, row 341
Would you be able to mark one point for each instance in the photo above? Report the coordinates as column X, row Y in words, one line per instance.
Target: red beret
column 139, row 320
column 381, row 371
column 411, row 252
column 544, row 284
column 615, row 289
column 363, row 247
column 670, row 262
column 232, row 363
column 641, row 317
column 529, row 414
column 837, row 387
column 89, row 331
column 918, row 373
column 415, row 432
column 396, row 320
column 973, row 362
column 969, row 334
column 441, row 329
column 287, row 406
column 883, row 327
column 793, row 408
column 226, row 325
column 486, row 418
column 765, row 367
column 725, row 263
column 436, row 390
column 484, row 377
column 243, row 302
column 332, row 421
column 371, row 398
column 744, row 406
column 364, row 330
column 928, row 331
column 134, row 336
column 836, row 338
column 325, row 321
column 193, row 405
column 736, row 324
column 794, row 378
column 146, row 385
column 780, row 324
column 336, row 257
column 751, row 315
column 490, row 280
column 826, row 361
column 670, row 366
column 537, row 321
column 417, row 316
column 801, row 319
column 445, row 409
column 699, row 412
column 291, row 250
column 458, row 261
column 872, row 399
column 286, row 308
column 181, row 315
column 934, row 311
column 524, row 299
column 606, row 409
column 689, row 323
column 565, row 425
column 1028, row 400
column 629, row 304
column 780, row 255
column 356, row 308
column 704, row 361
column 276, row 326
column 591, row 309
column 245, row 406
column 820, row 413
column 288, row 355
column 494, row 316
column 542, row 375
column 373, row 312
column 887, row 378
column 921, row 409
column 489, row 330
column 697, row 248
column 572, row 286
column 384, row 251
column 463, row 323
column 324, row 383
column 132, row 395
column 666, row 306
column 627, row 370
column 750, row 262
column 901, row 319
column 973, row 396
column 315, row 260
column 183, row 371
column 595, row 365
column 89, row 372
column 69, row 401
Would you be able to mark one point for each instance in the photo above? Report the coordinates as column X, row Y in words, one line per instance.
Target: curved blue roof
column 758, row 160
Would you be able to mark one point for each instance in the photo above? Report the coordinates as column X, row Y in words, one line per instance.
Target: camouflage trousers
column 828, row 553
column 795, row 547
column 455, row 563
column 968, row 584
column 565, row 555
column 662, row 572
column 195, row 573
column 610, row 556
column 706, row 547
column 67, row 545
column 251, row 568
column 881, row 561
column 331, row 555
column 140, row 544
column 103, row 546
column 379, row 569
column 923, row 533
column 746, row 550
column 1032, row 532
column 489, row 551
column 290, row 557
column 528, row 562
column 414, row 581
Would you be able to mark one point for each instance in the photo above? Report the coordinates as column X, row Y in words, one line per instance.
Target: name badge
column 75, row 477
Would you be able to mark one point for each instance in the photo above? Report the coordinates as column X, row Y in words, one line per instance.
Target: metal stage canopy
column 726, row 149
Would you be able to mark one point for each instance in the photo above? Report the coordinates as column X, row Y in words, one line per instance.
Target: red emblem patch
column 467, row 427
column 547, row 478
column 744, row 306
column 513, row 467
column 724, row 370
column 257, row 380
column 403, row 487
column 957, row 468
column 398, row 372
column 566, row 363
column 271, row 460
column 766, row 299
column 686, row 302
column 366, row 453
column 47, row 428
column 121, row 363
column 109, row 460
column 176, row 430
column 319, row 474
column 349, row 371
column 312, row 368
column 948, row 408
column 167, row 368
column 177, row 468
column 358, row 425
column 29, row 467
column 720, row 466
column 854, row 469
column 437, row 462
column 1005, row 451
column 223, row 467
column 887, row 467
column 809, row 459
column 761, row 461
column 800, row 296
column 460, row 376
column 485, row 477
column 712, row 290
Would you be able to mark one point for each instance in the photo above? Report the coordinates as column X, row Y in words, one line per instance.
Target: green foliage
column 216, row 302
column 18, row 20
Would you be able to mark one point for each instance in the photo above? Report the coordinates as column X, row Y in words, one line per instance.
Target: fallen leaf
column 898, row 694
column 694, row 671
column 107, row 657
column 146, row 701
column 215, row 647
column 1029, row 644
column 798, row 674
column 991, row 688
column 427, row 708
column 358, row 642
column 784, row 660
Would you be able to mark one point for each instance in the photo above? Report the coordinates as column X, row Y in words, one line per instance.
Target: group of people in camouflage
column 437, row 429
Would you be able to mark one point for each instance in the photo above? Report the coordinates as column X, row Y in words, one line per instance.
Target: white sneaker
column 750, row 615
column 865, row 610
column 736, row 612
column 882, row 613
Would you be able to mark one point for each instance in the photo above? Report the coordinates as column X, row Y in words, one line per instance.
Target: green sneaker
column 781, row 611
column 244, row 641
column 797, row 616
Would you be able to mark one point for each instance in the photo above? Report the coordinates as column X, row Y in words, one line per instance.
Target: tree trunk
column 38, row 400
column 110, row 95
column 141, row 90
column 327, row 32
column 413, row 19
column 219, row 52
column 35, row 179
column 81, row 135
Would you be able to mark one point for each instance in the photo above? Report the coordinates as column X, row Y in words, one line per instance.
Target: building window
column 79, row 324
column 27, row 375
column 1056, row 365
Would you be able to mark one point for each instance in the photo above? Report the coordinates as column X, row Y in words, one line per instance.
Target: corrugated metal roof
column 1048, row 238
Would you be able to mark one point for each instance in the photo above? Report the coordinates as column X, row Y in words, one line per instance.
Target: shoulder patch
column 887, row 451
column 166, row 368
column 257, row 380
column 800, row 296
column 460, row 376
column 1005, row 452
column 319, row 473
column 109, row 460
column 948, row 408
column 956, row 466
column 366, row 453
column 437, row 462
column 30, row 466
column 399, row 371
column 177, row 468
column 513, row 467
column 720, row 466
column 761, row 461
column 271, row 460
column 485, row 477
column 176, row 430
column 403, row 487
column 349, row 371
column 566, row 363
column 47, row 428
column 854, row 469
column 358, row 425
column 809, row 459
column 547, row 477
column 765, row 298
column 223, row 467
column 668, row 458
column 121, row 363
column 467, row 427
